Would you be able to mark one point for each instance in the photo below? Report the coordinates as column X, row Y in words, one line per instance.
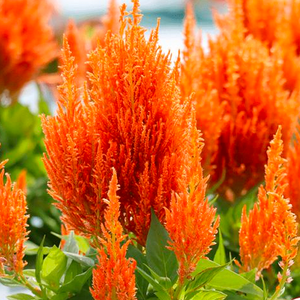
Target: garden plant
column 170, row 178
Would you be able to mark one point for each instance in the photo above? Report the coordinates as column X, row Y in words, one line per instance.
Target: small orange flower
column 129, row 117
column 248, row 79
column 26, row 42
column 190, row 220
column 270, row 230
column 13, row 223
column 113, row 278
column 209, row 110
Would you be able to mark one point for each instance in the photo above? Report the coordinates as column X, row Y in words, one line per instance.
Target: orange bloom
column 13, row 223
column 129, row 118
column 26, row 42
column 293, row 174
column 276, row 23
column 113, row 278
column 194, row 80
column 249, row 80
column 270, row 230
column 190, row 220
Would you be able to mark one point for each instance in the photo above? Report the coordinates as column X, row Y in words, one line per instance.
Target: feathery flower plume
column 270, row 230
column 276, row 23
column 249, row 80
column 293, row 172
column 113, row 278
column 26, row 42
column 209, row 110
column 130, row 117
column 13, row 223
column 190, row 220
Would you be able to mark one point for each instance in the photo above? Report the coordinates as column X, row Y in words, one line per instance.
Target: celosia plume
column 248, row 80
column 131, row 118
column 209, row 110
column 270, row 230
column 190, row 220
column 13, row 223
column 276, row 23
column 113, row 277
column 26, row 42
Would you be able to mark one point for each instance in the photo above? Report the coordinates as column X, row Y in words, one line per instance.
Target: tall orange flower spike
column 113, row 278
column 293, row 172
column 209, row 110
column 190, row 220
column 26, row 42
column 270, row 230
column 249, row 80
column 13, row 223
column 131, row 118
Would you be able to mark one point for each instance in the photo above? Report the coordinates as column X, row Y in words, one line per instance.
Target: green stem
column 36, row 291
column 282, row 283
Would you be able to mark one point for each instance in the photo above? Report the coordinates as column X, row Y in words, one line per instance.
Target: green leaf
column 63, row 296
column 209, row 295
column 82, row 243
column 10, row 282
column 73, row 270
column 76, row 284
column 228, row 280
column 71, row 244
column 160, row 291
column 39, row 261
column 54, row 267
column 250, row 275
column 204, row 277
column 83, row 260
column 141, row 283
column 220, row 256
column 159, row 258
column 20, row 297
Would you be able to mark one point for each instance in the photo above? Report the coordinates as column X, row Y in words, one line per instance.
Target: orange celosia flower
column 276, row 23
column 13, row 225
column 293, row 172
column 129, row 118
column 270, row 230
column 209, row 110
column 113, row 278
column 26, row 42
column 190, row 220
column 249, row 80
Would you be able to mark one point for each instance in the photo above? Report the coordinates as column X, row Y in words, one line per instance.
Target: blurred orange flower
column 209, row 110
column 13, row 223
column 270, row 230
column 249, row 80
column 276, row 23
column 131, row 118
column 190, row 220
column 26, row 42
column 113, row 277
column 293, row 172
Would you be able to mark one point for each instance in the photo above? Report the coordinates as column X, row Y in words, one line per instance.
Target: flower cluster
column 13, row 223
column 26, row 42
column 270, row 230
column 113, row 278
column 248, row 83
column 190, row 220
column 129, row 117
